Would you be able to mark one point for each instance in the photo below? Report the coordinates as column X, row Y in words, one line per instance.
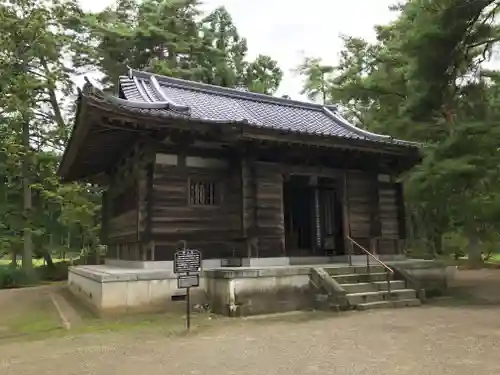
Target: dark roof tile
column 174, row 97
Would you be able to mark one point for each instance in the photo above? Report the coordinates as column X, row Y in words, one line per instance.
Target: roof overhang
column 104, row 130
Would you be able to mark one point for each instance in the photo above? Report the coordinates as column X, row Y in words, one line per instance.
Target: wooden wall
column 375, row 209
column 247, row 222
column 148, row 205
column 125, row 209
column 391, row 214
column 269, row 210
column 213, row 229
column 359, row 206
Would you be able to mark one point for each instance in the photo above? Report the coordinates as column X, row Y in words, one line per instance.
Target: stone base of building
column 262, row 287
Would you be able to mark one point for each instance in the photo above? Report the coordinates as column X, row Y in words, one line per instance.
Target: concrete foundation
column 257, row 289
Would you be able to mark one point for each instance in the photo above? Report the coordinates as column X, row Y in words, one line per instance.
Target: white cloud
column 287, row 30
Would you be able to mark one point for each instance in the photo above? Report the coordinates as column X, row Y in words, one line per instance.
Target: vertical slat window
column 203, row 193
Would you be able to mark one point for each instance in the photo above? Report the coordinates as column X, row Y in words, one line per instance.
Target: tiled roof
column 172, row 97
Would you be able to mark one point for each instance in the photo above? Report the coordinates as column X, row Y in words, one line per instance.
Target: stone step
column 348, row 270
column 360, row 278
column 382, row 295
column 372, row 269
column 395, row 284
column 372, row 287
column 359, row 287
column 410, row 302
column 344, row 270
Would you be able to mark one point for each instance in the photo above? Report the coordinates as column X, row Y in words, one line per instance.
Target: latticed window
column 203, row 193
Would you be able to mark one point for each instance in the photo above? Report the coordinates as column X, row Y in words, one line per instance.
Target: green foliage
column 39, row 213
column 424, row 80
column 11, row 277
column 169, row 38
column 15, row 277
column 41, row 45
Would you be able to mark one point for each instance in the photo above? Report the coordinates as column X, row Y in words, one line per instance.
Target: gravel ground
column 443, row 338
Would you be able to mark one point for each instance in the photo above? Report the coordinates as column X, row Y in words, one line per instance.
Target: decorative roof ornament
column 156, row 87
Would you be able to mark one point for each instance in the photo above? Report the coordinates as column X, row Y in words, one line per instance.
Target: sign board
column 187, row 260
column 188, row 281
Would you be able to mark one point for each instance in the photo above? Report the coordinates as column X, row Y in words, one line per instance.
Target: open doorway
column 298, row 202
column 313, row 216
column 330, row 228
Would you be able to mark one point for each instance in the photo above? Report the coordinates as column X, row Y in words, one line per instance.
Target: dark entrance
column 330, row 233
column 313, row 216
column 298, row 203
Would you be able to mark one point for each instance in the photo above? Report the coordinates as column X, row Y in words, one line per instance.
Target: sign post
column 187, row 266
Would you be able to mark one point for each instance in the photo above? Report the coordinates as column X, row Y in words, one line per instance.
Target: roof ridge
column 225, row 91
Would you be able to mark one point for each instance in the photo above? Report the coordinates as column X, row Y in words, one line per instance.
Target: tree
column 168, row 38
column 317, row 79
column 423, row 80
column 263, row 75
column 35, row 40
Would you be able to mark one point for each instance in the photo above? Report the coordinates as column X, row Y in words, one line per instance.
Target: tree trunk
column 13, row 259
column 474, row 252
column 48, row 259
column 438, row 243
column 27, row 204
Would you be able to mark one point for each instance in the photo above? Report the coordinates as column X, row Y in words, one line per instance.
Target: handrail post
column 368, row 254
column 351, row 249
column 388, row 275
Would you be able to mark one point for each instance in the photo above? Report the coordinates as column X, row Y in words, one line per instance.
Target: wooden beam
column 267, row 135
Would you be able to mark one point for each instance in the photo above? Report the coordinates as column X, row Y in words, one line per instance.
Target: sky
column 288, row 30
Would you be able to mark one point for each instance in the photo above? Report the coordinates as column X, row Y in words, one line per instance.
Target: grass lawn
column 495, row 258
column 36, row 262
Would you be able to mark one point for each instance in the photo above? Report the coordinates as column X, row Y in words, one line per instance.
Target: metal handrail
column 389, row 270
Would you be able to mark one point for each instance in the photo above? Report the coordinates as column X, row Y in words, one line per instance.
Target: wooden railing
column 389, row 271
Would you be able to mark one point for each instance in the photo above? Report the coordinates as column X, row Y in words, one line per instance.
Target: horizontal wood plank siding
column 123, row 226
column 269, row 204
column 388, row 211
column 214, row 229
column 359, row 205
column 374, row 211
column 248, row 194
column 127, row 198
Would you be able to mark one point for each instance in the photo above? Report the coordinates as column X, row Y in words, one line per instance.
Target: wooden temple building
column 233, row 173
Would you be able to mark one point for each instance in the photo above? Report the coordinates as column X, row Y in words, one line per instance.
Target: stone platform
column 114, row 288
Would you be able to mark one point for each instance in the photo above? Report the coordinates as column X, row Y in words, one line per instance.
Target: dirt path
column 482, row 286
column 434, row 339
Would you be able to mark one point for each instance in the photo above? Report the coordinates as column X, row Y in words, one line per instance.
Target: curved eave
column 152, row 116
column 138, row 77
column 158, row 118
column 70, row 150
